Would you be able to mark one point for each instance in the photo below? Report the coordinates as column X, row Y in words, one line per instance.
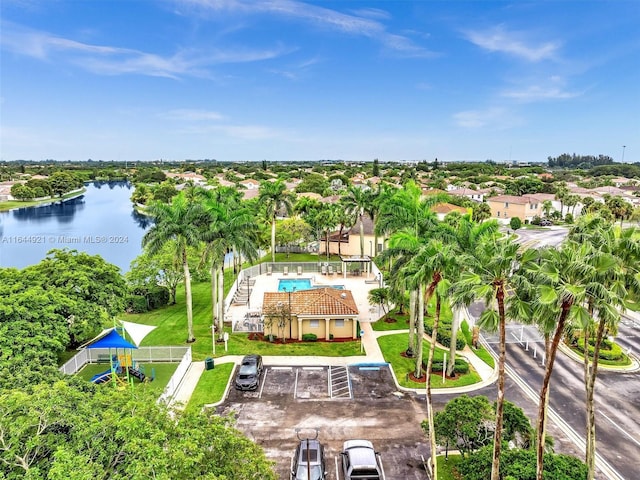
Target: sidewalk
column 373, row 355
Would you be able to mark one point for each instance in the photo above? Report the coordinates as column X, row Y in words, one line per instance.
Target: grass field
column 446, row 467
column 211, row 386
column 164, row 371
column 393, row 346
column 172, row 330
column 11, row 204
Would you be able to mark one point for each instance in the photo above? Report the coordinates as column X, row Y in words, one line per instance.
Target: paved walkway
column 372, row 353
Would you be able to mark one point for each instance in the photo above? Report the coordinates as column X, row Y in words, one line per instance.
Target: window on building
column 314, row 323
column 498, row 213
column 340, row 322
column 506, row 204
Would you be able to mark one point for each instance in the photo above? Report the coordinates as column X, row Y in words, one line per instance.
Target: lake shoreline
column 42, row 203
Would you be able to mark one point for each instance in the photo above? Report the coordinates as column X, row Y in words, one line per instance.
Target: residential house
column 5, row 191
column 475, row 195
column 195, row 178
column 442, row 209
column 350, row 240
column 505, row 207
column 325, row 312
column 250, row 184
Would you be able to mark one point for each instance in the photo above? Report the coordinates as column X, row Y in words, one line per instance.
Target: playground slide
column 101, row 377
column 137, row 373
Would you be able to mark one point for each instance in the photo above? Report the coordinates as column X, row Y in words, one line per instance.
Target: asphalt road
column 541, row 237
column 617, row 405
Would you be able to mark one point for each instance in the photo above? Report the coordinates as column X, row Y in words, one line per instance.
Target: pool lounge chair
column 330, row 269
column 299, row 269
column 285, row 270
column 269, row 269
column 324, row 270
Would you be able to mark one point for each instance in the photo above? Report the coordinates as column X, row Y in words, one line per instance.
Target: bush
column 158, row 297
column 460, row 366
column 444, row 336
column 309, row 337
column 136, row 304
column 608, row 350
column 515, row 223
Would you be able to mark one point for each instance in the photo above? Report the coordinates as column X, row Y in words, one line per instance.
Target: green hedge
column 608, row 350
column 444, row 335
column 461, row 366
column 309, row 337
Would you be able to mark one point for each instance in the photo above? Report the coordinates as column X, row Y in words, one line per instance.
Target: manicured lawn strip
column 446, row 467
column 485, row 356
column 300, row 257
column 23, row 204
column 392, row 347
column 211, row 386
column 164, row 371
column 172, row 330
column 625, row 361
column 401, row 323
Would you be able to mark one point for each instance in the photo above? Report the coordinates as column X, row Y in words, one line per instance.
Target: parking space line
column 337, row 471
column 281, row 368
column 313, row 368
column 264, row 381
column 295, row 385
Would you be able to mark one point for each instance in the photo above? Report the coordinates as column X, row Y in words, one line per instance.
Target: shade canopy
column 137, row 331
column 112, row 340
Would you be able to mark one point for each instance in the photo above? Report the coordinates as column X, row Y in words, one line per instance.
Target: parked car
column 545, row 222
column 248, row 376
column 360, row 461
column 308, row 461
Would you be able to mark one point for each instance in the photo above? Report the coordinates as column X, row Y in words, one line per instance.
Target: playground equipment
column 122, row 369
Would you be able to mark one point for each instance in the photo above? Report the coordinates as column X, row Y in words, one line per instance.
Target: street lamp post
column 623, row 147
column 249, row 294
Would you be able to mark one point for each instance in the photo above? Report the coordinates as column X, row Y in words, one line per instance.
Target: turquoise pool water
column 299, row 284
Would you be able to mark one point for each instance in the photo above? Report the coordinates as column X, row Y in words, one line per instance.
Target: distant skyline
column 285, row 80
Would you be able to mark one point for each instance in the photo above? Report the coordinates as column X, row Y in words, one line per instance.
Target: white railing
column 168, row 354
column 176, row 378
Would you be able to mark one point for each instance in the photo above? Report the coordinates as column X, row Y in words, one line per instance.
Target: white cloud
column 192, row 115
column 513, row 43
column 357, row 24
column 494, row 117
column 117, row 61
column 538, row 92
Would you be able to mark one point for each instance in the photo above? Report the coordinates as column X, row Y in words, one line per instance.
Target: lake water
column 102, row 221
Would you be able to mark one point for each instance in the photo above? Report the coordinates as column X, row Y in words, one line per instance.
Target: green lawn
column 164, row 371
column 172, row 330
column 23, row 204
column 393, row 346
column 402, row 321
column 211, row 386
column 446, row 467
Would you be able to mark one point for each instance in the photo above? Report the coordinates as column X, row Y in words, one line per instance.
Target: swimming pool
column 299, row 284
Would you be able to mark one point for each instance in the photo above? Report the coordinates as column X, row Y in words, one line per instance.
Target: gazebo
column 363, row 261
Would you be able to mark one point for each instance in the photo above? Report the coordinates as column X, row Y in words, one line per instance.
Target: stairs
column 242, row 293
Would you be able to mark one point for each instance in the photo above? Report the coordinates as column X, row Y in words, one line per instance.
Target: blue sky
column 287, row 80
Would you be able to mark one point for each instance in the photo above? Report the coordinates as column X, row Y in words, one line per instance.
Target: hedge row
column 608, row 350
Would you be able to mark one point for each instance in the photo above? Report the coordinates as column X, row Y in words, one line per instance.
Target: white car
column 360, row 461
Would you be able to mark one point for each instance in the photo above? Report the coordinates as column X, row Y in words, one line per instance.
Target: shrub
column 309, row 337
column 158, row 297
column 515, row 223
column 461, row 366
column 444, row 336
column 136, row 304
column 608, row 350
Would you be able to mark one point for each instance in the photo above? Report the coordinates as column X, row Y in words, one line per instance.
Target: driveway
column 307, row 398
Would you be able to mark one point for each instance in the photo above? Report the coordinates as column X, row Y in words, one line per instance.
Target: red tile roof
column 325, row 301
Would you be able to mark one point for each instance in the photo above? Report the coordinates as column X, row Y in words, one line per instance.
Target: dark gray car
column 248, row 376
column 308, row 461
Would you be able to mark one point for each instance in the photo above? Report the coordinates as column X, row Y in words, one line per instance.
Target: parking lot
column 342, row 403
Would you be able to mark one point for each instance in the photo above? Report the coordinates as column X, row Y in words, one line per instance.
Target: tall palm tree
column 356, row 201
column 489, row 276
column 273, row 197
column 429, row 269
column 466, row 234
column 618, row 252
column 180, row 221
column 563, row 279
column 328, row 218
column 229, row 227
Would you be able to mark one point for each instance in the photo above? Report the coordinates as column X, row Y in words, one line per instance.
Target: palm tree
column 179, row 221
column 562, row 280
column 274, row 197
column 356, row 201
column 429, row 268
column 490, row 277
column 466, row 235
column 618, row 253
column 328, row 218
column 547, row 206
column 561, row 194
column 229, row 227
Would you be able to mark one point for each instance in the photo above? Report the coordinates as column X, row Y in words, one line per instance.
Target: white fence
column 176, row 378
column 143, row 355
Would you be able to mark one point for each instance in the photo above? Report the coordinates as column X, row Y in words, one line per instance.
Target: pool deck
column 269, row 283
